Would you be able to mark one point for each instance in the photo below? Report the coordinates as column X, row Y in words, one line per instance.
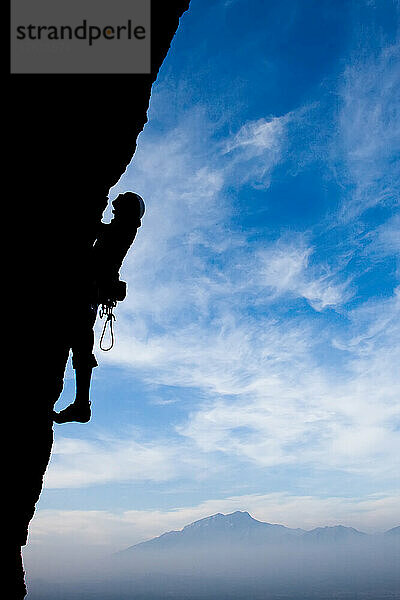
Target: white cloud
column 199, row 315
column 258, row 137
column 257, row 148
column 294, row 412
column 286, row 268
column 385, row 241
column 81, row 463
column 260, row 394
column 369, row 132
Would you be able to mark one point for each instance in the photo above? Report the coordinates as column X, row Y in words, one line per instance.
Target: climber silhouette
column 102, row 287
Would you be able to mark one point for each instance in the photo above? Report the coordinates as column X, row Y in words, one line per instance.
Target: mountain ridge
column 240, row 527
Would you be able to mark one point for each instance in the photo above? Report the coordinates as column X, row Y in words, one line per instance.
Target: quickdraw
column 106, row 310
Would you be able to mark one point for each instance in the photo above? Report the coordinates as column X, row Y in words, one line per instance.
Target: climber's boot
column 78, row 412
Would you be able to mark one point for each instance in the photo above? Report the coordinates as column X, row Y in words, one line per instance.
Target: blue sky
column 256, row 364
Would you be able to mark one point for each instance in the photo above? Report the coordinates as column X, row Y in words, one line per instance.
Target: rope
column 106, row 310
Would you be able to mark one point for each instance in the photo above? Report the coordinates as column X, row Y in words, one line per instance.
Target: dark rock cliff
column 72, row 137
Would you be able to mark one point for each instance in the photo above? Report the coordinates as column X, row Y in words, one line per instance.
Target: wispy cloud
column 295, row 411
column 287, row 270
column 106, row 459
column 209, row 310
column 260, row 394
column 246, row 323
column 258, row 147
column 368, row 142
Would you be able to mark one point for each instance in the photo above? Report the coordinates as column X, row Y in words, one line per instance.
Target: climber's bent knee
column 87, row 361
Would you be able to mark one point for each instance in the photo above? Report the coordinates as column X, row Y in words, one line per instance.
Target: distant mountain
column 236, row 556
column 336, row 533
column 395, row 531
column 240, row 529
column 237, row 527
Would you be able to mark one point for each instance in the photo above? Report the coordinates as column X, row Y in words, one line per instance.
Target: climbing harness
column 106, row 310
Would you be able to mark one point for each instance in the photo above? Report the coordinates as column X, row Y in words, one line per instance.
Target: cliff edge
column 72, row 137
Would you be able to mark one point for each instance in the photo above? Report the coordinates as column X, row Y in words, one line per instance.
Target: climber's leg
column 83, row 361
column 79, row 410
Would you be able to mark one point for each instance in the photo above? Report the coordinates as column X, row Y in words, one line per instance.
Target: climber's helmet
column 129, row 205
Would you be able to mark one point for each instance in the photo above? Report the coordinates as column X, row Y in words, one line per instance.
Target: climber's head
column 129, row 205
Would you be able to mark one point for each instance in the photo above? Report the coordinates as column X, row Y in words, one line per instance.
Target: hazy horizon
column 235, row 556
